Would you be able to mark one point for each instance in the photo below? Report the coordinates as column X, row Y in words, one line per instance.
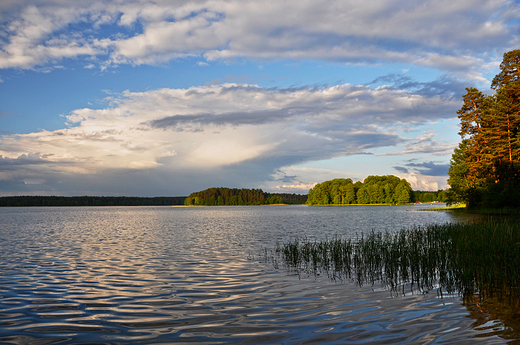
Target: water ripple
column 184, row 275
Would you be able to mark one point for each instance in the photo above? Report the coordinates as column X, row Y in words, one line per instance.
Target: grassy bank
column 480, row 258
column 451, row 207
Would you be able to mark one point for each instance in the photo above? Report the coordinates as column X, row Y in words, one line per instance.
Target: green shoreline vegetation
column 471, row 259
column 450, row 207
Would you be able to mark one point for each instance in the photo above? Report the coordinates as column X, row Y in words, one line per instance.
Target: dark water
column 166, row 275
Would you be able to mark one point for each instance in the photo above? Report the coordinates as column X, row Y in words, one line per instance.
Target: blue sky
column 152, row 98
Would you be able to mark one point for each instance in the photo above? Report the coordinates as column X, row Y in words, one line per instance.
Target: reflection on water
column 167, row 275
column 493, row 318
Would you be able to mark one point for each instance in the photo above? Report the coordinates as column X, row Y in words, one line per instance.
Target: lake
column 162, row 275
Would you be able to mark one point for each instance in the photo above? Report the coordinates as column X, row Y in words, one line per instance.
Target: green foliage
column 293, row 199
column 458, row 173
column 430, row 196
column 387, row 189
column 403, row 193
column 272, row 199
column 233, row 196
column 485, row 168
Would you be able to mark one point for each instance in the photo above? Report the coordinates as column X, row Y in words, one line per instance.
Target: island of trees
column 485, row 168
column 387, row 189
column 233, row 196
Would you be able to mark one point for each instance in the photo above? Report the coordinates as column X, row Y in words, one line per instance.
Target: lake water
column 162, row 275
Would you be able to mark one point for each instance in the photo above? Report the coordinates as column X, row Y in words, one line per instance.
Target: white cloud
column 230, row 133
column 456, row 36
column 30, row 39
column 425, row 183
column 299, row 188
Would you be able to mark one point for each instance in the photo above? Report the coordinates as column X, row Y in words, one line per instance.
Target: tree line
column 7, row 201
column 485, row 168
column 387, row 189
column 292, row 198
column 233, row 196
column 430, row 196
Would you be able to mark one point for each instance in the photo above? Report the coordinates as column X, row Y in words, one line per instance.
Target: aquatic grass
column 475, row 258
column 487, row 259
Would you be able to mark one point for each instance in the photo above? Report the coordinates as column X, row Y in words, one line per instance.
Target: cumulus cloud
column 424, row 175
column 461, row 37
column 32, row 37
column 425, row 183
column 229, row 134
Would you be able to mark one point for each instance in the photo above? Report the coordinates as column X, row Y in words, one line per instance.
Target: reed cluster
column 471, row 258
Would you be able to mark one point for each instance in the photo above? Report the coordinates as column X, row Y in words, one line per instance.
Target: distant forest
column 89, row 201
column 233, row 196
column 387, row 189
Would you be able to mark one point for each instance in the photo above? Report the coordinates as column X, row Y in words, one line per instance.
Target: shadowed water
column 196, row 275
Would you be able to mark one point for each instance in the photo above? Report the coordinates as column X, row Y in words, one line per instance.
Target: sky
column 169, row 97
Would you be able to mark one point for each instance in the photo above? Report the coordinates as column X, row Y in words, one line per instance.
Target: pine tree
column 485, row 169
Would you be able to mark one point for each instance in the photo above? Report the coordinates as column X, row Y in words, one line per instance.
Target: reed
column 474, row 258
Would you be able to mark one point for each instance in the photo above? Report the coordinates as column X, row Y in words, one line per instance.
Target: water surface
column 120, row 275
